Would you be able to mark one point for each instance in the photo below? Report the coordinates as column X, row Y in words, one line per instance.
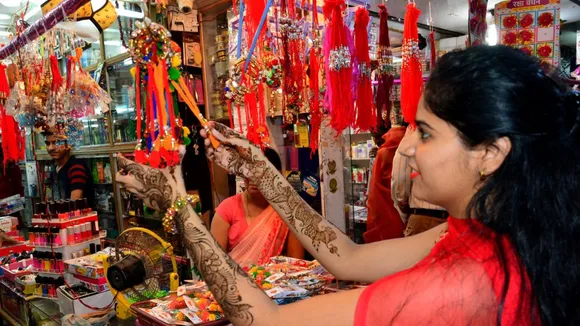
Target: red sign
column 529, row 3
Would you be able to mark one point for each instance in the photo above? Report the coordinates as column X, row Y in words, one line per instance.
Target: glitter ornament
column 168, row 219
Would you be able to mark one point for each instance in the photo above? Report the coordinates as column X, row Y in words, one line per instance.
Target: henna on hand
column 241, row 158
column 147, row 183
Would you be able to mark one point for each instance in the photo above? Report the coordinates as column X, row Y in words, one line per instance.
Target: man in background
column 383, row 220
column 73, row 175
column 418, row 215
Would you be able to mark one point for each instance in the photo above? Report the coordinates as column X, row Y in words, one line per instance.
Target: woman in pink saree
column 249, row 229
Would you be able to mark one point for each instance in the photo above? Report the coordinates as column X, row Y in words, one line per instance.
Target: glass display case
column 121, row 87
column 91, row 54
column 357, row 167
column 45, row 311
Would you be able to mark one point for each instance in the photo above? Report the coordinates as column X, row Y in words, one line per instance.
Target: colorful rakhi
column 157, row 61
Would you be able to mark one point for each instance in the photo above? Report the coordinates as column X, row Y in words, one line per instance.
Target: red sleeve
column 446, row 292
column 230, row 208
column 78, row 177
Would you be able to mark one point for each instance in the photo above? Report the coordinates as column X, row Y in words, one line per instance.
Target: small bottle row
column 47, row 262
column 62, row 209
column 47, row 286
column 43, row 236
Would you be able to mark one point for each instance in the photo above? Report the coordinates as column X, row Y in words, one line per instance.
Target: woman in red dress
column 497, row 146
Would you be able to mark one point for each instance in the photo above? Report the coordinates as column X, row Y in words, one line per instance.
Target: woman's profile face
column 444, row 171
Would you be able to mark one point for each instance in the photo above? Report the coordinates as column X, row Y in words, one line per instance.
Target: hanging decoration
column 385, row 71
column 339, row 55
column 432, row 50
column 314, row 66
column 411, row 70
column 157, row 61
column 477, row 24
column 290, row 28
column 12, row 141
column 365, row 106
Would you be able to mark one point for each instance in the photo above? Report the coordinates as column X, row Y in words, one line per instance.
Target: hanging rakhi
column 338, row 64
column 293, row 47
column 433, row 55
column 411, row 70
column 385, row 71
column 10, row 138
column 365, row 118
column 314, row 66
column 151, row 49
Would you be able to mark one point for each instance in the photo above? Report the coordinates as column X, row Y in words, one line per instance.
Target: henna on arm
column 236, row 292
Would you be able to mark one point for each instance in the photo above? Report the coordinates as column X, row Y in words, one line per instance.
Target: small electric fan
column 141, row 268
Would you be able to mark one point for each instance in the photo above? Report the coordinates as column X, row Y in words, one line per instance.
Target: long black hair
column 491, row 92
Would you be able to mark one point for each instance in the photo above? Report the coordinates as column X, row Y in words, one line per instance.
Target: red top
column 460, row 282
column 232, row 211
column 384, row 221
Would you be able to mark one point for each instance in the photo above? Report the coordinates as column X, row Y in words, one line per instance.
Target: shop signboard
column 533, row 26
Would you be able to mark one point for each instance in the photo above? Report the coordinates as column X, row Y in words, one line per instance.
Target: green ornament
column 186, row 141
column 174, row 73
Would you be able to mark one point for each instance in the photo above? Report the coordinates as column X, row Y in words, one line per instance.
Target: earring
column 481, row 175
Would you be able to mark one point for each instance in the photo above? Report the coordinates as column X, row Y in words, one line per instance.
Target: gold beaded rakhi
column 178, row 205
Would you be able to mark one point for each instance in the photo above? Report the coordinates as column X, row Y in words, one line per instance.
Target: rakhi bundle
column 411, row 70
column 339, row 54
column 157, row 61
column 364, row 95
column 384, row 74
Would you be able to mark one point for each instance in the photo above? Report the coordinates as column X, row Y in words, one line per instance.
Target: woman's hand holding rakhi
column 158, row 188
column 235, row 154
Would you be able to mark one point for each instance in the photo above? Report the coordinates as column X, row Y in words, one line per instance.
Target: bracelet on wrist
column 178, row 205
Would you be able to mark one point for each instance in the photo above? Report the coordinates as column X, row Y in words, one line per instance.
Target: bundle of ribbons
column 159, row 128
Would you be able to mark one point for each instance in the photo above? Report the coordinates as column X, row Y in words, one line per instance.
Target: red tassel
column 230, row 114
column 164, row 155
column 4, row 87
column 411, row 71
column 155, row 159
column 338, row 76
column 253, row 14
column 140, row 156
column 56, row 76
column 384, row 73
column 432, row 46
column 364, row 98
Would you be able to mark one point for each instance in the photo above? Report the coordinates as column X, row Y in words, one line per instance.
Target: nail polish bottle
column 87, row 209
column 77, row 233
column 37, row 210
column 62, row 211
column 57, row 234
column 76, row 212
column 70, row 234
column 69, row 207
column 60, row 262
column 51, row 209
column 31, row 237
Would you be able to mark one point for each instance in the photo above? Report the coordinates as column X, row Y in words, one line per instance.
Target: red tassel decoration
column 385, row 70
column 4, row 87
column 411, row 70
column 56, row 76
column 432, row 46
column 339, row 56
column 364, row 95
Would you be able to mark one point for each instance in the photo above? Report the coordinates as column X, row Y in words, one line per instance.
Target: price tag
column 192, row 316
column 189, row 303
